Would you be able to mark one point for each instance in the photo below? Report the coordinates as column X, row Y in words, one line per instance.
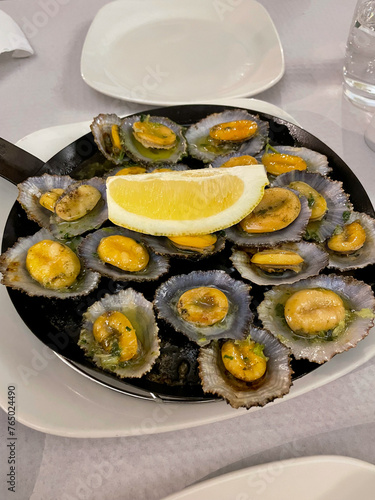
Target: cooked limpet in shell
column 319, row 317
column 144, row 139
column 234, row 160
column 280, row 217
column 80, row 208
column 285, row 263
column 282, row 159
column 260, row 356
column 119, row 333
column 222, row 133
column 329, row 213
column 277, row 209
column 167, row 167
column 129, row 168
column 122, row 255
column 203, row 313
column 106, row 131
column 153, row 146
column 40, row 265
column 187, row 247
column 37, row 196
column 355, row 241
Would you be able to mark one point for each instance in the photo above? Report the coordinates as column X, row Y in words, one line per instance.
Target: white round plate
column 165, row 52
column 54, row 398
column 308, row 478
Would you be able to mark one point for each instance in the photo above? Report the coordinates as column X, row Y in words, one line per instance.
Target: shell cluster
column 284, row 252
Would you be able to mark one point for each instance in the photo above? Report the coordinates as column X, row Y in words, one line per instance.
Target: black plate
column 57, row 322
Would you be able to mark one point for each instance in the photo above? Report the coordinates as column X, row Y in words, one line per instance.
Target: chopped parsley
column 346, row 215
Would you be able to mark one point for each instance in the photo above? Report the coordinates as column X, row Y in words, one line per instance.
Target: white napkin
column 12, row 38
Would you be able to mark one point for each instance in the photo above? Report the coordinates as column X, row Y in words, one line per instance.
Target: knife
column 16, row 164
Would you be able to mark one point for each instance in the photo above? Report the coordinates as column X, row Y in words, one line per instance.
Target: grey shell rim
column 317, row 260
column 277, row 382
column 90, row 279
column 324, row 350
column 120, row 298
column 169, row 292
column 291, row 233
column 162, row 246
column 26, row 195
column 158, row 265
column 176, row 156
column 194, row 133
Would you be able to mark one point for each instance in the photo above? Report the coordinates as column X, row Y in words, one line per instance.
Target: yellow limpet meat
column 49, row 198
column 351, row 239
column 131, row 171
column 154, row 135
column 123, row 252
column 116, row 142
column 203, row 242
column 163, row 169
column 278, row 208
column 235, row 131
column 203, row 306
column 112, row 328
column 52, row 264
column 315, row 200
column 274, row 260
column 239, row 160
column 279, row 163
column 77, row 203
column 241, row 360
column 310, row 311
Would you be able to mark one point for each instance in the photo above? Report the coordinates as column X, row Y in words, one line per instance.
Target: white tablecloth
column 46, row 90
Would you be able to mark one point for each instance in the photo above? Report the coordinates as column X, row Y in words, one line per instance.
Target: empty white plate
column 165, row 52
column 308, row 478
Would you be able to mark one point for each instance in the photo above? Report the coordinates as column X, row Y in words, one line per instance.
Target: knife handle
column 16, row 164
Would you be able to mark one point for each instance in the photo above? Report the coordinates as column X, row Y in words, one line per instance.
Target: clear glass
column 359, row 66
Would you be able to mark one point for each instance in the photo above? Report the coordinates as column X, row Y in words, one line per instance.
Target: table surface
column 336, row 419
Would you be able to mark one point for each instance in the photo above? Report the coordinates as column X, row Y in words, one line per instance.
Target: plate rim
column 118, row 91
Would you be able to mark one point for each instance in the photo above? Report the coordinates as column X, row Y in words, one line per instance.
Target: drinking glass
column 359, row 65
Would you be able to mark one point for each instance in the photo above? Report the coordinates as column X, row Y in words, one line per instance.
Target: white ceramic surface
column 308, row 478
column 162, row 52
column 55, row 399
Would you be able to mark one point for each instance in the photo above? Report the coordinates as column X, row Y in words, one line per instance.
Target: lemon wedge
column 185, row 202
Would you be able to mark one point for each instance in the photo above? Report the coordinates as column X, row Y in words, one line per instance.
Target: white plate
column 308, row 478
column 55, row 399
column 178, row 52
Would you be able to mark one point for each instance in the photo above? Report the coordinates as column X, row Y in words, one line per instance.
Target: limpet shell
column 316, row 162
column 95, row 218
column 362, row 257
column 315, row 259
column 356, row 296
column 275, row 383
column 197, row 132
column 293, row 232
column 338, row 203
column 162, row 245
column 30, row 191
column 101, row 127
column 236, row 321
column 156, row 267
column 141, row 315
column 15, row 274
column 150, row 156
